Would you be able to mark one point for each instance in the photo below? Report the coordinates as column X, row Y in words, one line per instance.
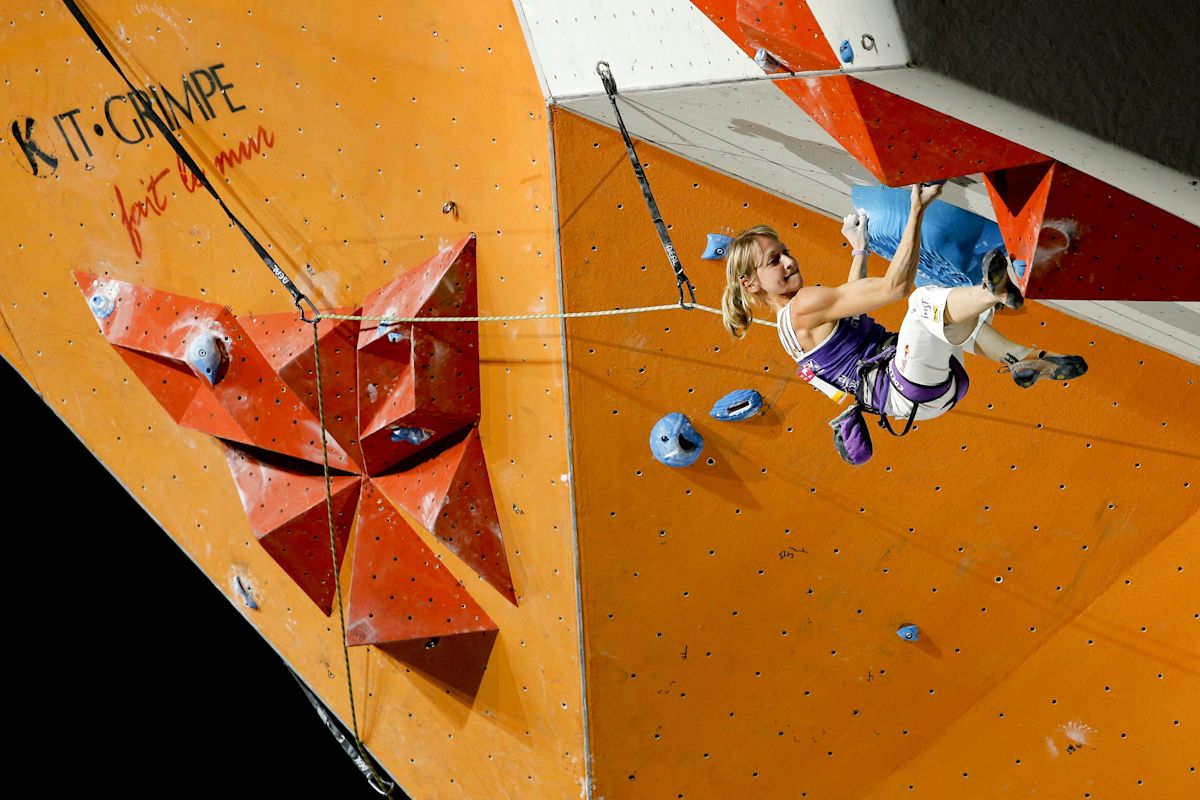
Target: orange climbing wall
column 354, row 125
column 740, row 614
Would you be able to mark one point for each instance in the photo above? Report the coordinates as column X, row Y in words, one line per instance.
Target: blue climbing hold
column 953, row 240
column 395, row 335
column 411, row 435
column 102, row 305
column 908, row 633
column 674, row 441
column 717, row 247
column 738, row 404
column 206, row 354
column 846, row 52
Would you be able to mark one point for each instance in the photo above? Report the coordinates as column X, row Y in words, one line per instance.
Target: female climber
column 915, row 374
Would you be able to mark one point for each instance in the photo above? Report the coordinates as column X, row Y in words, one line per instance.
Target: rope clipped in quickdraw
column 298, row 297
column 681, row 278
column 363, row 761
column 384, row 787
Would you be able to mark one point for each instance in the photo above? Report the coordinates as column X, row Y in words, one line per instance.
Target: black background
column 134, row 672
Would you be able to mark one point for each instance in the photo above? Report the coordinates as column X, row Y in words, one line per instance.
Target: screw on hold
column 102, row 305
column 846, row 52
column 716, row 247
column 867, row 41
column 411, row 435
column 450, row 207
column 206, row 355
column 908, row 633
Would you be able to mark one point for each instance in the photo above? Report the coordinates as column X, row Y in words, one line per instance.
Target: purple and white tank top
column 835, row 360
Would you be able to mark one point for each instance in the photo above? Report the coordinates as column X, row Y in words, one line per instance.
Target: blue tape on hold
column 674, row 441
column 102, row 305
column 738, row 404
column 206, row 354
column 908, row 633
column 717, row 247
column 1019, row 267
column 953, row 240
column 845, row 51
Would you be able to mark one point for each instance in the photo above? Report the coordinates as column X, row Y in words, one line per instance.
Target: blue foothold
column 846, row 51
column 674, row 442
column 717, row 246
column 738, row 404
column 908, row 633
column 102, row 305
column 206, row 354
column 1019, row 267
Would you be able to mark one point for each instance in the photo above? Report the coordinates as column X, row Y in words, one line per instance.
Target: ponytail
column 740, row 262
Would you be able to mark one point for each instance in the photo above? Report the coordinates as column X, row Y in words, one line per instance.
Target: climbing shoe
column 1060, row 368
column 995, row 280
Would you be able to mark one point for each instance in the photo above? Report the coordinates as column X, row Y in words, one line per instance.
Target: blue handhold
column 738, row 404
column 717, row 246
column 102, row 305
column 393, row 336
column 846, row 51
column 953, row 240
column 206, row 354
column 674, row 441
column 1019, row 267
column 908, row 633
column 411, row 435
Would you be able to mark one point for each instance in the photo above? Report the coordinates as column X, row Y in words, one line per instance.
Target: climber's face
column 777, row 273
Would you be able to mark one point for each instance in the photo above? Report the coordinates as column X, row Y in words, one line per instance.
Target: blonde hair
column 740, row 262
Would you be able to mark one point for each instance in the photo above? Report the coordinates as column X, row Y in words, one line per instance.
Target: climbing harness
column 298, row 297
column 681, row 278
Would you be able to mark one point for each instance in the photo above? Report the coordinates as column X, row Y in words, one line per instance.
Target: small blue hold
column 846, row 52
column 393, row 336
column 411, row 435
column 1019, row 267
column 908, row 633
column 206, row 354
column 738, row 404
column 717, row 247
column 102, row 305
column 674, row 441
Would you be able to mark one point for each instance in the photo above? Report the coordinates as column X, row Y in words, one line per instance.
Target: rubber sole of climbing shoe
column 1059, row 368
column 996, row 281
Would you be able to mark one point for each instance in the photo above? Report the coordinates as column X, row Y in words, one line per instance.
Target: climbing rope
column 385, row 321
column 380, row 785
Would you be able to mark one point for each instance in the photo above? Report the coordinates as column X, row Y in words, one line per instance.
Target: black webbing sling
column 681, row 278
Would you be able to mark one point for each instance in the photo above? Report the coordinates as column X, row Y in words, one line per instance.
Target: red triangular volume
column 1019, row 197
column 452, row 497
column 287, row 343
column 419, row 382
column 288, row 515
column 399, row 590
column 244, row 401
